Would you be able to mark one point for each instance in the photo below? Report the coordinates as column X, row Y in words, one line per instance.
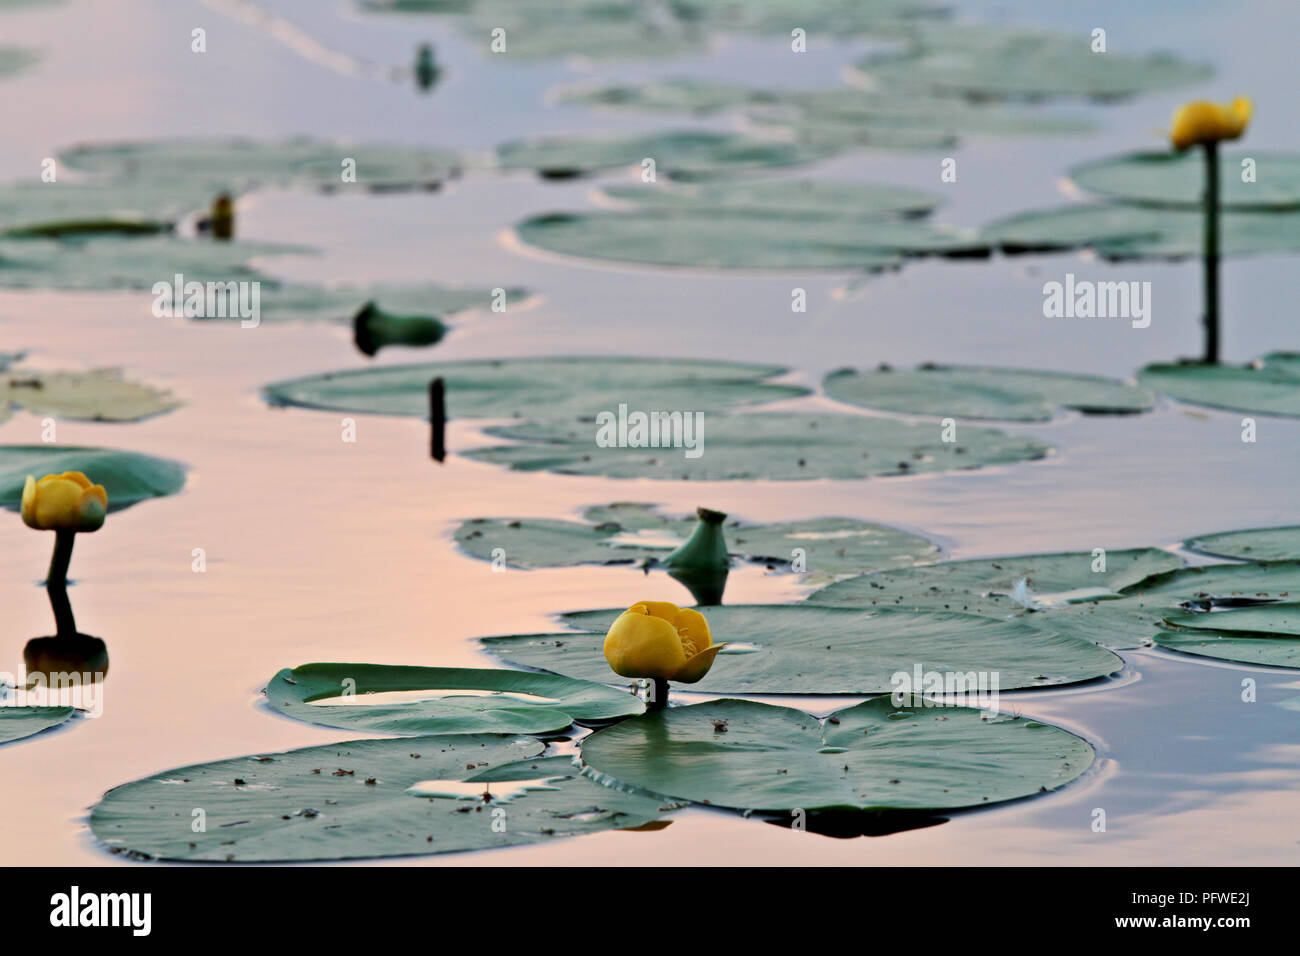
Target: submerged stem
column 1211, row 253
column 56, row 583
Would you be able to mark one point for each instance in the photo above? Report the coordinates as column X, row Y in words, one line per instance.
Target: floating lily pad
column 1120, row 232
column 626, row 533
column 805, row 649
column 744, row 240
column 99, row 395
column 128, row 477
column 747, row 755
column 60, row 209
column 969, row 392
column 313, row 303
column 364, row 799
column 767, row 446
column 989, row 61
column 679, row 94
column 685, row 154
column 1257, row 544
column 1271, row 651
column 19, row 722
column 425, row 700
column 238, row 165
column 1221, row 584
column 796, row 199
column 1283, row 619
column 557, row 387
column 1178, row 179
column 15, row 59
column 1269, row 387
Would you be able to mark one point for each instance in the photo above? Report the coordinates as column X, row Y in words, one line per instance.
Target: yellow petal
column 693, row 626
column 29, row 503
column 695, row 668
column 1201, row 121
column 58, row 504
column 640, row 644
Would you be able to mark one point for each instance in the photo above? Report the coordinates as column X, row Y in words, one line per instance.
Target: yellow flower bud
column 67, row 502
column 659, row 639
column 1204, row 122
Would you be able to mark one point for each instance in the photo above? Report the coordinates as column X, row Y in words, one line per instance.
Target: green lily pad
column 766, row 446
column 743, row 240
column 1265, row 387
column 61, row 209
column 128, row 477
column 1269, row 581
column 425, row 701
column 969, row 392
column 685, row 154
column 990, row 61
column 315, row 303
column 363, row 799
column 99, row 395
column 765, row 198
column 1178, row 179
column 557, row 387
column 1283, row 618
column 747, row 755
column 1283, row 651
column 238, row 165
column 626, row 533
column 1257, row 544
column 678, row 94
column 1121, row 232
column 14, row 59
column 19, row 722
column 805, row 649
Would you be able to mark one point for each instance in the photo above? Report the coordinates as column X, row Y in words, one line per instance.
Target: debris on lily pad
column 364, row 799
column 628, row 533
column 128, row 477
column 441, row 700
column 990, row 393
column 1268, row 386
column 97, row 395
column 874, row 756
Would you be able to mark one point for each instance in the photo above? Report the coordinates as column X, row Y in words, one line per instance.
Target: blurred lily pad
column 806, row 649
column 764, row 446
column 991, row 61
column 338, row 303
column 556, row 387
column 1270, row 386
column 684, row 154
column 971, row 392
column 364, row 799
column 625, row 533
column 128, row 477
column 15, row 59
column 61, row 209
column 19, row 722
column 795, row 199
column 98, row 395
column 747, row 755
column 1178, row 179
column 1256, row 544
column 441, row 700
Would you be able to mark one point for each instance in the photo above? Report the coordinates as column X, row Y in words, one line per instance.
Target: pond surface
column 319, row 549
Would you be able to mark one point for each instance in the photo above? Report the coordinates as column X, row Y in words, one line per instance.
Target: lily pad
column 99, row 395
column 627, row 533
column 19, row 722
column 1257, row 544
column 557, row 387
column 766, row 446
column 424, row 700
column 364, row 799
column 685, row 154
column 1283, row 619
column 747, row 755
column 805, row 649
column 993, row 393
column 60, row 209
column 15, row 59
column 795, row 199
column 339, row 303
column 128, row 477
column 1266, row 387
column 989, row 61
column 1178, row 179
column 1271, row 651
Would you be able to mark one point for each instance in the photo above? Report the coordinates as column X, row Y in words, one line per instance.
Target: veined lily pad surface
column 364, row 799
column 764, row 446
column 1256, row 544
column 96, row 395
column 747, row 755
column 557, row 387
column 1270, row 386
column 128, row 477
column 1178, row 179
column 626, row 533
column 19, row 722
column 441, row 700
column 991, row 393
column 805, row 649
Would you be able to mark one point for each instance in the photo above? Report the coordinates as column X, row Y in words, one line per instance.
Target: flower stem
column 658, row 699
column 56, row 583
column 1211, row 253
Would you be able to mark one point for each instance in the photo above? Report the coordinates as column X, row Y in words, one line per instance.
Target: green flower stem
column 56, row 583
column 658, row 695
column 1211, row 253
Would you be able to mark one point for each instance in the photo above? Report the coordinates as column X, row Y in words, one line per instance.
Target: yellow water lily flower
column 1201, row 121
column 659, row 639
column 66, row 502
